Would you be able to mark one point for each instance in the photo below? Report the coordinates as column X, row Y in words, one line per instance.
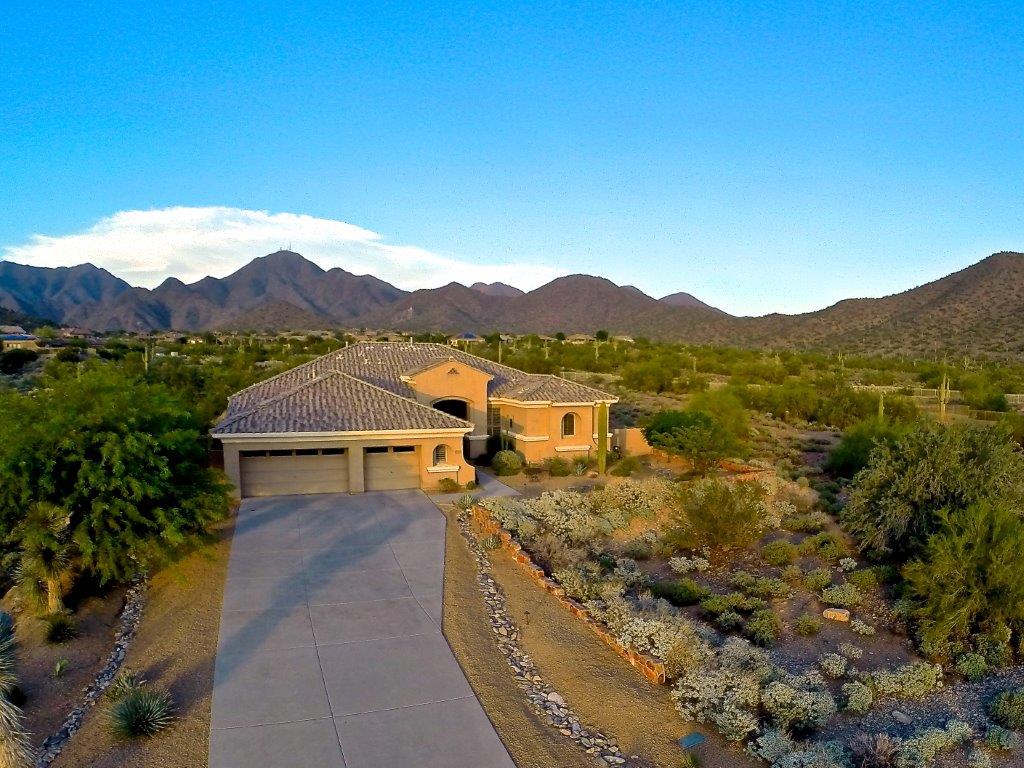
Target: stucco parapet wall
column 648, row 666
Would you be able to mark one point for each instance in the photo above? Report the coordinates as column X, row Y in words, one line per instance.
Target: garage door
column 391, row 469
column 280, row 473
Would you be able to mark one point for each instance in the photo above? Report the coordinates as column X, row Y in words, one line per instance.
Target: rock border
column 131, row 615
column 544, row 700
column 648, row 666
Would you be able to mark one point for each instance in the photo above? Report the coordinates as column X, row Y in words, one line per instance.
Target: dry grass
column 175, row 648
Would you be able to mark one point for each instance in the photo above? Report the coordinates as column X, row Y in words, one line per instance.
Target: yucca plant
column 127, row 681
column 44, row 569
column 60, row 628
column 141, row 712
column 15, row 747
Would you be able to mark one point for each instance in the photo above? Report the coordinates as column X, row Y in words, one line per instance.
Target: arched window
column 569, row 425
column 440, row 455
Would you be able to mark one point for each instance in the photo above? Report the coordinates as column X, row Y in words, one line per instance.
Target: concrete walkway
column 330, row 650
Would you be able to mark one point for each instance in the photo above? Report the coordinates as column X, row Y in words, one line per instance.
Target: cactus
column 602, row 437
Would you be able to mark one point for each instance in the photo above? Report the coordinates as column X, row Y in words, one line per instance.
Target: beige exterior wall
column 536, row 430
column 456, row 467
column 454, row 380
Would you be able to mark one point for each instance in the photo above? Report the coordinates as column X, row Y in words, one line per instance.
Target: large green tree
column 125, row 459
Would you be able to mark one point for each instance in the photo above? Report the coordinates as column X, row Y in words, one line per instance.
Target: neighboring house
column 465, row 338
column 12, row 330
column 579, row 338
column 18, row 341
column 382, row 416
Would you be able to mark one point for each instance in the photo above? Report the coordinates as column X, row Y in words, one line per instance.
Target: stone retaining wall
column 648, row 666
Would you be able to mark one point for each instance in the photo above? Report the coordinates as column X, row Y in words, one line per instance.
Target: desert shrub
column 854, row 450
column 772, row 746
column 695, row 435
column 60, row 628
column 680, row 591
column 582, row 582
column 779, row 553
column 847, row 564
column 142, row 712
column 715, row 605
column 626, row 466
column 557, row 466
column 622, row 503
column 640, row 548
column 861, row 628
column 979, row 758
column 910, row 681
column 465, row 502
column 995, row 645
column 864, row 579
column 923, row 747
column 447, row 485
column 968, row 576
column 806, row 625
column 797, row 711
column 877, row 750
column 491, row 543
column 506, row 463
column 682, row 565
column 857, row 697
column 972, row 666
column 845, row 595
column 659, row 633
column 471, row 485
column 729, row 620
column 832, row 665
column 763, row 627
column 827, row 546
column 793, row 575
column 552, row 554
column 13, row 360
column 851, row 651
column 1007, row 709
column 764, row 587
column 817, row 580
column 810, row 522
column 934, row 471
column 1003, row 739
column 719, row 515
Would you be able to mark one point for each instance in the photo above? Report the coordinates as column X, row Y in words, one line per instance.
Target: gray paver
column 330, row 628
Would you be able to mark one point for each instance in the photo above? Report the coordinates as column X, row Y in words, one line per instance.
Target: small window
column 404, row 448
column 306, row 452
column 377, row 449
column 280, row 453
column 569, row 425
column 440, row 455
column 251, row 454
column 333, row 451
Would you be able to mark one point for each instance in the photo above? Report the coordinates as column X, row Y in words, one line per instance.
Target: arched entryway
column 457, row 408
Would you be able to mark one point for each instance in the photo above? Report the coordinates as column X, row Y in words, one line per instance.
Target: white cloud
column 145, row 247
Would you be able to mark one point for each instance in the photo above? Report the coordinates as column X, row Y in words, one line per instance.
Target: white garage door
column 280, row 473
column 391, row 469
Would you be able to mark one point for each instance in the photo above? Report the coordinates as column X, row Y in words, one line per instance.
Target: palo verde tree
column 125, row 459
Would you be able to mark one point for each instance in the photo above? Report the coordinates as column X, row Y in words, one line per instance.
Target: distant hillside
column 496, row 289
column 28, row 322
column 977, row 310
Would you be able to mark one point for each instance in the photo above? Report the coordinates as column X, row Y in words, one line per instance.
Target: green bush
column 817, row 580
column 759, row 586
column 910, row 489
column 806, row 625
column 447, row 485
column 126, row 681
column 864, row 579
column 793, row 575
column 779, row 553
column 680, row 591
column 858, row 697
column 506, row 463
column 1007, row 709
column 557, row 466
column 13, row 360
column 828, row 546
column 695, row 435
column 717, row 514
column 763, row 627
column 972, row 666
column 141, row 712
column 809, row 522
column 854, row 450
column 728, row 621
column 911, row 681
column 843, row 595
column 1002, row 739
column 626, row 466
column 60, row 628
column 968, row 576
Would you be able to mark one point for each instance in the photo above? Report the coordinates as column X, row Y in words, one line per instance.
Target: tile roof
column 337, row 402
column 382, row 366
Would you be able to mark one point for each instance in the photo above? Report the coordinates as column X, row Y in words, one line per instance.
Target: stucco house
column 390, row 415
column 18, row 341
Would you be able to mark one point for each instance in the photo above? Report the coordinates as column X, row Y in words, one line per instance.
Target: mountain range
column 977, row 310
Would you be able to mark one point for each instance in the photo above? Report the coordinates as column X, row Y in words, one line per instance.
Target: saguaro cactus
column 602, row 437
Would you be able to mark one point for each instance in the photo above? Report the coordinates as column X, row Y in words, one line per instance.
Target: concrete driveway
column 330, row 650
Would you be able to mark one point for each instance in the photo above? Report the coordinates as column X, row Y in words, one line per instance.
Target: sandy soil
column 175, row 648
column 50, row 698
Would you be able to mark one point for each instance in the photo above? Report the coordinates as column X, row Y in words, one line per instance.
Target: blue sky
column 764, row 156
